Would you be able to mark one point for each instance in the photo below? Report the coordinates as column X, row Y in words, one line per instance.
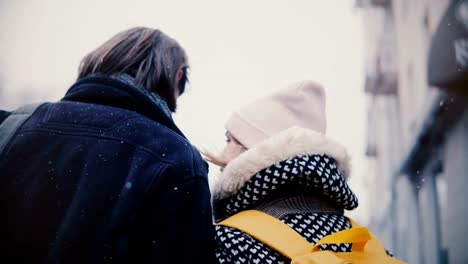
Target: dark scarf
column 301, row 204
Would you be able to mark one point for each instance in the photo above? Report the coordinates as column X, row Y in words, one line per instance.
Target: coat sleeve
column 178, row 220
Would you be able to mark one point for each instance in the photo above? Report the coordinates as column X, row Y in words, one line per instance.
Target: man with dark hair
column 104, row 175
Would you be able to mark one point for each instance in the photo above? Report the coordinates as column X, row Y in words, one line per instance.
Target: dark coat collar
column 4, row 115
column 115, row 93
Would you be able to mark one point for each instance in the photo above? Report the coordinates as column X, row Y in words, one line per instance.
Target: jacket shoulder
column 162, row 142
column 121, row 126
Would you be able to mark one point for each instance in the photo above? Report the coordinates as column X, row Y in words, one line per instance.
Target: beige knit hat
column 300, row 104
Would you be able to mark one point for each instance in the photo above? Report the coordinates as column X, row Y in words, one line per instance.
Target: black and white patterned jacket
column 298, row 176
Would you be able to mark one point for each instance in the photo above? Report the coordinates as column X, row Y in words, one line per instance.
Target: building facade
column 417, row 134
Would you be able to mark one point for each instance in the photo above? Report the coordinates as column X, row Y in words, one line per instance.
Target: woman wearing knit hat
column 278, row 160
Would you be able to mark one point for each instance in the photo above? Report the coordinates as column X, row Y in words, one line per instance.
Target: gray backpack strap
column 13, row 122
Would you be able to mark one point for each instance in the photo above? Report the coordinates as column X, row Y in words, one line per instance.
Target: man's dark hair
column 148, row 55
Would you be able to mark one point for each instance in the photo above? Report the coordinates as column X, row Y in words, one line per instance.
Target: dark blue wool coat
column 103, row 176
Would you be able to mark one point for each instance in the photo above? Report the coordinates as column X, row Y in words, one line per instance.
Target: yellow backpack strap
column 282, row 238
column 320, row 257
column 373, row 244
column 358, row 236
column 270, row 231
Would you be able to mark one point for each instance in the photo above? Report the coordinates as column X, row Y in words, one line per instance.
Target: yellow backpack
column 366, row 248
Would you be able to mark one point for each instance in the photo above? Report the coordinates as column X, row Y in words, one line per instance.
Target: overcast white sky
column 238, row 50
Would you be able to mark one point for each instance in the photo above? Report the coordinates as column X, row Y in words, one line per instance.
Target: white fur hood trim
column 287, row 144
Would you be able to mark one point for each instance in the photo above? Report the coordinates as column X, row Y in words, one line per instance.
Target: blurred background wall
column 417, row 134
